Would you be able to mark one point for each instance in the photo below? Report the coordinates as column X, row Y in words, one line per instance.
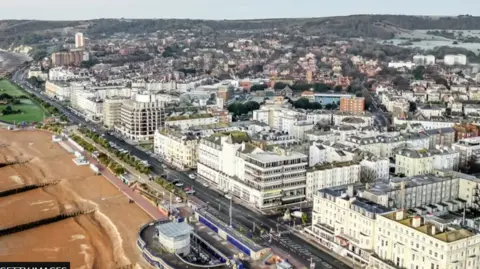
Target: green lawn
column 32, row 112
column 10, row 89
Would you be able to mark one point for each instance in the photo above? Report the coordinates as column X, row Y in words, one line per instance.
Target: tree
column 304, row 218
column 401, row 82
column 413, row 107
column 302, row 103
column 258, row 87
column 321, row 87
column 301, row 87
column 442, row 81
column 367, row 175
column 279, row 85
column 252, row 105
column 418, row 72
column 238, row 108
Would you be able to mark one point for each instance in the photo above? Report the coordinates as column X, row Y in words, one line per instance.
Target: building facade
column 331, row 175
column 353, row 105
column 177, row 148
column 140, row 120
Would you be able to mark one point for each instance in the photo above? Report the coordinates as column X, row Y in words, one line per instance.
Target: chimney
column 399, row 215
column 350, row 190
column 416, row 221
column 434, row 230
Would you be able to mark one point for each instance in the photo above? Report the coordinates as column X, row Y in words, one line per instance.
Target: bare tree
column 367, row 175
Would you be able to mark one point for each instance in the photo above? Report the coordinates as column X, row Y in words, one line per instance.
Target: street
column 288, row 242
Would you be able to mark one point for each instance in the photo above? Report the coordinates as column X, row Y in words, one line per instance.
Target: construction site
column 52, row 209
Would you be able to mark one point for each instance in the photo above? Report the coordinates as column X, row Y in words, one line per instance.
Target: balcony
column 293, row 197
column 289, row 188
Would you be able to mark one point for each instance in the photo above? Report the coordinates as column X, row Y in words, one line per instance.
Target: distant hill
column 368, row 26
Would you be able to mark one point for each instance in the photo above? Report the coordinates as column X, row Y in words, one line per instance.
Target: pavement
column 149, row 208
column 240, row 213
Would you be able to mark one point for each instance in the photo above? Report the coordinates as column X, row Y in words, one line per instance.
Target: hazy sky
column 225, row 9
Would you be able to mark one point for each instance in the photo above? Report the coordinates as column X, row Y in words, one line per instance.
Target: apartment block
column 70, row 58
column 265, row 179
column 58, row 89
column 412, row 162
column 179, row 149
column 345, row 219
column 139, row 119
column 374, row 167
column 406, row 241
column 463, row 131
column 329, row 175
column 186, row 121
column 111, row 111
column 353, row 105
column 387, row 144
column 344, row 222
column 469, row 150
column 443, row 137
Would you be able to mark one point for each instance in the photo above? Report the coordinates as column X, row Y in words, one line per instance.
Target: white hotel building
column 363, row 222
column 330, row 175
column 177, row 148
column 405, row 241
column 265, row 179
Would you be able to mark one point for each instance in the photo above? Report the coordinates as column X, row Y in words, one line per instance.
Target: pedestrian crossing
column 265, row 237
column 301, row 251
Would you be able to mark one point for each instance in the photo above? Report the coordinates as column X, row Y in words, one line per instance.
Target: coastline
column 10, row 60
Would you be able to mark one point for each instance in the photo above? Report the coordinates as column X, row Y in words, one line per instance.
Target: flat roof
column 449, row 235
column 174, row 229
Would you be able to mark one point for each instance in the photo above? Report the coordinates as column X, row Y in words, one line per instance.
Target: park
column 16, row 105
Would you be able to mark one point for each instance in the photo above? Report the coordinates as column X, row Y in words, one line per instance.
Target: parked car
column 205, row 184
column 228, row 196
column 179, row 184
column 192, row 176
column 178, row 199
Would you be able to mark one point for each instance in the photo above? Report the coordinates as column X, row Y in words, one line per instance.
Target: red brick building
column 465, row 130
column 354, row 105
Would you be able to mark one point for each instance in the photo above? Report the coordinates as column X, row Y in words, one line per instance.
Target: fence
column 153, row 260
column 27, row 188
column 34, row 224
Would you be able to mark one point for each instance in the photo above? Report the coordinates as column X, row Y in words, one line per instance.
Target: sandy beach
column 103, row 239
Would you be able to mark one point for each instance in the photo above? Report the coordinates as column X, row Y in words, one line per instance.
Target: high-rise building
column 111, row 111
column 354, row 105
column 140, row 118
column 79, row 40
column 67, row 58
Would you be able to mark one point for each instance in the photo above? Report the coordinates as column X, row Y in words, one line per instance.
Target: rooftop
column 331, row 165
column 388, row 185
column 414, row 153
column 451, row 234
column 187, row 117
column 174, row 229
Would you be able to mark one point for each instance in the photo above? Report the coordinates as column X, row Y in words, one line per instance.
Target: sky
column 225, row 9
